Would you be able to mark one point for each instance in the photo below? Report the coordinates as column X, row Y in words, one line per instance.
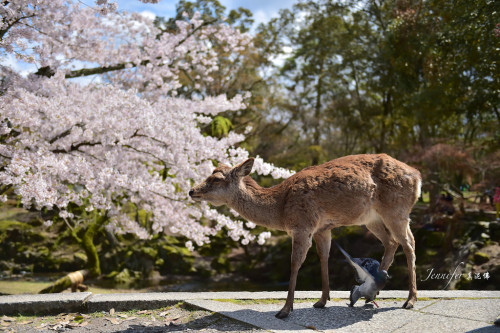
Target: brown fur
column 373, row 190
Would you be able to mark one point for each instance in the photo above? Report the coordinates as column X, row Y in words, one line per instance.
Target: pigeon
column 368, row 275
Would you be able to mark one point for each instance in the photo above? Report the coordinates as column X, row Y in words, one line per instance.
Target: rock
column 495, row 231
column 481, row 258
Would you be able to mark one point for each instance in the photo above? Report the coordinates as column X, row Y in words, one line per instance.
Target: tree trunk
column 93, row 264
column 75, row 279
column 317, row 113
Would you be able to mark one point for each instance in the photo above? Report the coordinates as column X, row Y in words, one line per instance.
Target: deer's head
column 222, row 184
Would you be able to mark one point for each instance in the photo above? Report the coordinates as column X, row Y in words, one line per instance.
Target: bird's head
column 381, row 278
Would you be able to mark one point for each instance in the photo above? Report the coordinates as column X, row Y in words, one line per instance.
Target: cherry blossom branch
column 167, row 197
column 65, row 133
column 48, row 72
column 147, row 153
column 4, row 31
column 151, row 138
column 76, row 147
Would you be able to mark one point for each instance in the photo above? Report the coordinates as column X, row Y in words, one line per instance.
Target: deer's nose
column 191, row 193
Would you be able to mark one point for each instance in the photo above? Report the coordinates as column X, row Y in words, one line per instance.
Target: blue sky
column 263, row 10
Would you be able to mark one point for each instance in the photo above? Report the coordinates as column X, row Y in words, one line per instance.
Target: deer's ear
column 244, row 169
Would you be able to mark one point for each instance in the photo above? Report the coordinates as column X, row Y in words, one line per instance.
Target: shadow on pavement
column 488, row 329
column 213, row 321
column 334, row 317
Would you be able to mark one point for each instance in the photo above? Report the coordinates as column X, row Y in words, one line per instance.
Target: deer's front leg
column 323, row 242
column 301, row 242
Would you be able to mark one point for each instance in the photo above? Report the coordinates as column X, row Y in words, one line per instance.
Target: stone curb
column 88, row 302
column 43, row 304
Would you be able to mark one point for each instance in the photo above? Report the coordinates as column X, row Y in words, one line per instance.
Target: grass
column 31, row 287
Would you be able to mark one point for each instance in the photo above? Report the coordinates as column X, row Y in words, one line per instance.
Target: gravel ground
column 179, row 318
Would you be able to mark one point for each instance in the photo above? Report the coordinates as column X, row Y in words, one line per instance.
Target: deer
column 374, row 190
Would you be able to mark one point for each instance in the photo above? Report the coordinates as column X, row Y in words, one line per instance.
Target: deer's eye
column 217, row 179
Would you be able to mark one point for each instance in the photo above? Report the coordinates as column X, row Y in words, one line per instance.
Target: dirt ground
column 177, row 318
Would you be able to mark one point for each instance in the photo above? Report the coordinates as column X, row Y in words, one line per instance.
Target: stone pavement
column 436, row 311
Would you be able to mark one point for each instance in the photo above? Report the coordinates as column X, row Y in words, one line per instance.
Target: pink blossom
column 126, row 136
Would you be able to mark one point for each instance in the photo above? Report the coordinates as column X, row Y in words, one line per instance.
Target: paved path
column 436, row 311
column 436, row 315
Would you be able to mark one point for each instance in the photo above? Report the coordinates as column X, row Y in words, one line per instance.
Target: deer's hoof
column 282, row 314
column 319, row 304
column 409, row 304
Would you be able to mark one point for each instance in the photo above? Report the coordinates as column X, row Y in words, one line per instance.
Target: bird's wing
column 371, row 265
column 362, row 274
column 369, row 290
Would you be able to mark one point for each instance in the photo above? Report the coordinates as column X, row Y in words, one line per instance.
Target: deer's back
column 354, row 184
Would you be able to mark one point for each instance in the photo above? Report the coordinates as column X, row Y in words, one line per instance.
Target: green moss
column 8, row 212
column 123, row 277
column 150, row 252
column 431, row 253
column 11, row 224
column 266, row 301
column 435, row 239
column 347, row 232
column 81, row 257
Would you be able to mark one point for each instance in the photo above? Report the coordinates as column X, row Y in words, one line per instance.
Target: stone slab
column 43, row 303
column 430, row 323
column 485, row 310
column 301, row 294
column 338, row 317
column 78, row 302
column 265, row 320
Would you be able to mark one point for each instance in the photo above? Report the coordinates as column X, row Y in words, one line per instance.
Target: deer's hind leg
column 390, row 244
column 399, row 228
column 323, row 240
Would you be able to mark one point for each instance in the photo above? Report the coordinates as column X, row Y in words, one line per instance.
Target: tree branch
column 65, row 133
column 75, row 147
column 48, row 72
column 4, row 31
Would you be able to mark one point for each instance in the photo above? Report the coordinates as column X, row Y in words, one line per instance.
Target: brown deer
column 373, row 190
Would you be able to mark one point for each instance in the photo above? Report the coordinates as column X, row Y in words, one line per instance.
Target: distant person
column 496, row 200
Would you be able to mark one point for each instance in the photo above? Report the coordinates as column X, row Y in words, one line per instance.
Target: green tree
column 392, row 76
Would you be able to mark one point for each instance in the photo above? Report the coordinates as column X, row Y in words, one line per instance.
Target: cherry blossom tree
column 89, row 152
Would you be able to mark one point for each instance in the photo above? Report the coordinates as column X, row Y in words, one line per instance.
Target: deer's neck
column 261, row 205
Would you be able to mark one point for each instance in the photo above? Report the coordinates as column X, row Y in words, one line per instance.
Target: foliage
column 385, row 76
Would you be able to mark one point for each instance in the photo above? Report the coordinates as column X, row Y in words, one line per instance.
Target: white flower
column 189, row 246
column 126, row 139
